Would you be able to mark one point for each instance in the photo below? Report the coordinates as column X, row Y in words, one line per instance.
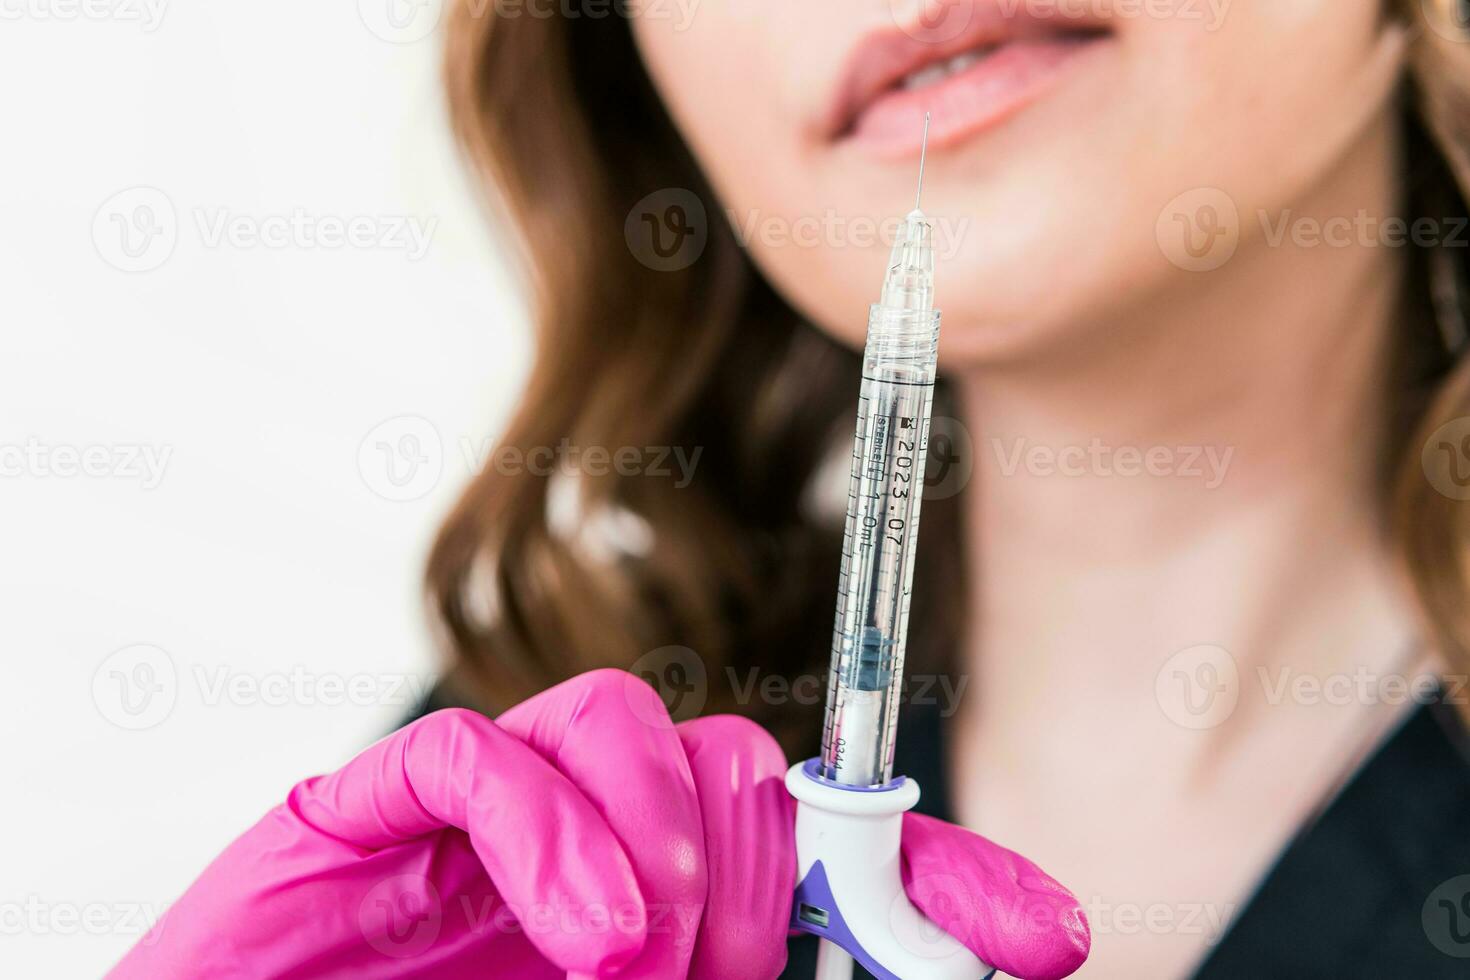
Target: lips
column 970, row 63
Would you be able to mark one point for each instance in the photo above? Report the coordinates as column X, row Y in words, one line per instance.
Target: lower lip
column 983, row 95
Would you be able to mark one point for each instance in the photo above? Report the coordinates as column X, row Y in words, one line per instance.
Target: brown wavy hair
column 567, row 134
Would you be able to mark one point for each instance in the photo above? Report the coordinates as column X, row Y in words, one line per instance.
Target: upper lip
column 883, row 57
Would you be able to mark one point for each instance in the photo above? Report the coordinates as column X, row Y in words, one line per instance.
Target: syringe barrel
column 885, row 492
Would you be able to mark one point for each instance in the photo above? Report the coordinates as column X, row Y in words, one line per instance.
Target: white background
column 269, row 555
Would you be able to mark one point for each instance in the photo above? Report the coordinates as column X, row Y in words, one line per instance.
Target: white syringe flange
column 849, row 883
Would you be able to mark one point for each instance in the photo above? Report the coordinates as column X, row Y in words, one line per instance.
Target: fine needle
column 923, row 152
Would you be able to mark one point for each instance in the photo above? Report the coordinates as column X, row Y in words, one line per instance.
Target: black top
column 1377, row 886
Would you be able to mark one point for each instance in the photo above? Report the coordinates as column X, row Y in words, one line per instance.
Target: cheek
column 732, row 78
column 744, row 81
column 1264, row 104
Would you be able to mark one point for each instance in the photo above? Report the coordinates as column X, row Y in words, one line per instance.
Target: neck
column 1205, row 474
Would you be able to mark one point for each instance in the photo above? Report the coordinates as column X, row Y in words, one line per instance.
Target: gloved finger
column 542, row 842
column 610, row 734
column 750, row 847
column 1008, row 911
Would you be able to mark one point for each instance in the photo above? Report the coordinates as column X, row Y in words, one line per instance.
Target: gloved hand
column 581, row 834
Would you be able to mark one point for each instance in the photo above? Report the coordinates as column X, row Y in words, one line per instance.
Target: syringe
column 849, row 814
column 885, row 492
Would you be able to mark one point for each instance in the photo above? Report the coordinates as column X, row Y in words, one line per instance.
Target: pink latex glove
column 580, row 834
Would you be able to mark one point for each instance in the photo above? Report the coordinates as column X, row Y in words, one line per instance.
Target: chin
column 973, row 342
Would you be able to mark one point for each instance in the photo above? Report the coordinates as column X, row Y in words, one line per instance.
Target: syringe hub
column 909, row 283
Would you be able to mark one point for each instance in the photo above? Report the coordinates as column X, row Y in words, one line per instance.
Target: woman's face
column 1073, row 143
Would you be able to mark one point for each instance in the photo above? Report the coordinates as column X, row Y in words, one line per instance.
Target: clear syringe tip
column 909, row 283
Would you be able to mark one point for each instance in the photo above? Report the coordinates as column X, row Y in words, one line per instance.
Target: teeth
column 936, row 73
column 924, row 77
column 960, row 62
